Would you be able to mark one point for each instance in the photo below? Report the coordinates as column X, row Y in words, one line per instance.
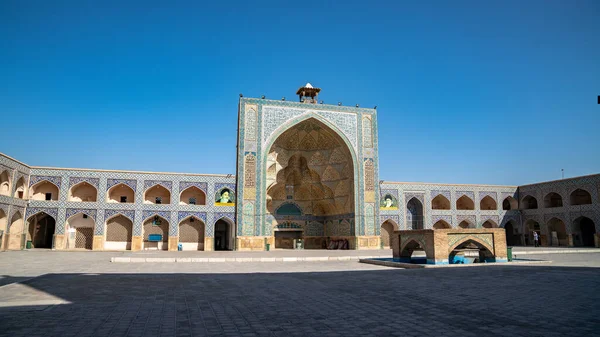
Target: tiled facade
column 101, row 210
column 261, row 122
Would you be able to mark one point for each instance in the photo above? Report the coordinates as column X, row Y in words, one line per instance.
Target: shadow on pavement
column 503, row 300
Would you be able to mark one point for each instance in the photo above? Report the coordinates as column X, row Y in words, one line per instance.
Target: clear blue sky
column 467, row 92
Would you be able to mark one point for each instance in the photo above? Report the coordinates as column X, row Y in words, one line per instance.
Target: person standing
column 536, row 239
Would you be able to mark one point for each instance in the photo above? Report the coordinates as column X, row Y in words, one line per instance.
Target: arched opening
column 509, row 203
column 83, row 192
column 16, row 231
column 119, row 231
column 121, row 193
column 192, row 196
column 44, row 190
column 489, row 224
column 466, row 224
column 156, row 225
column 441, row 224
column 3, row 227
column 20, row 188
column 530, row 202
column 584, row 230
column 552, row 200
column 414, row 214
column 413, row 252
column 310, row 172
column 580, row 197
column 387, row 231
column 557, row 232
column 470, row 251
column 4, row 183
column 512, row 234
column 157, row 194
column 440, row 202
column 530, row 227
column 488, row 203
column 191, row 233
column 41, row 230
column 465, row 203
column 223, row 235
column 83, row 225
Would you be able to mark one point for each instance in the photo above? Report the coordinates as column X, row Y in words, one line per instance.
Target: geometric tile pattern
column 76, row 180
column 273, row 117
column 72, row 211
column 36, row 179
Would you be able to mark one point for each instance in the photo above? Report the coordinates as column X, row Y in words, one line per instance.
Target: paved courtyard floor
column 50, row 293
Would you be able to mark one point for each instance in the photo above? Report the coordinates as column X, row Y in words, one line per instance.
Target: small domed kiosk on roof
column 308, row 94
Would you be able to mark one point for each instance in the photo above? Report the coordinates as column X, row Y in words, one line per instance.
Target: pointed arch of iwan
column 320, row 167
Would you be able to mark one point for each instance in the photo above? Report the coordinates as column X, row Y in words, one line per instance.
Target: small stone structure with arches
column 442, row 245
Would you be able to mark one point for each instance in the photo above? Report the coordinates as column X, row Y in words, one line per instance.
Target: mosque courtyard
column 52, row 293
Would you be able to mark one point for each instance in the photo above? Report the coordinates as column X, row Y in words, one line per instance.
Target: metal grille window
column 158, row 200
column 192, row 201
column 119, row 229
column 191, row 232
column 84, row 238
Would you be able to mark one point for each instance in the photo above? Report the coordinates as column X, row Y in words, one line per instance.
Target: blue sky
column 467, row 91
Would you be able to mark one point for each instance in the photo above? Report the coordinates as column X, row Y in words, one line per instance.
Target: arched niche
column 466, row 224
column 530, row 227
column 20, row 189
column 44, row 190
column 157, row 194
column 192, row 196
column 441, row 224
column 156, row 224
column 83, row 225
column 513, row 235
column 3, row 223
column 120, row 193
column 5, row 183
column 41, row 230
column 584, row 230
column 552, row 200
column 414, row 214
column 465, row 203
column 529, row 202
column 557, row 226
column 487, row 203
column 16, row 229
column 489, row 224
column 387, row 231
column 83, row 192
column 119, row 230
column 191, row 233
column 580, row 197
column 224, row 234
column 510, row 203
column 440, row 202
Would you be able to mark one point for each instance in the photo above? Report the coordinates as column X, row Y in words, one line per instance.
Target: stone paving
column 82, row 294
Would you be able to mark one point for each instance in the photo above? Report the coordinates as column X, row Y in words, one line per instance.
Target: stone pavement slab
column 83, row 294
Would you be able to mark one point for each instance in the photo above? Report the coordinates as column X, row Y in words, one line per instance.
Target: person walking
column 536, row 239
